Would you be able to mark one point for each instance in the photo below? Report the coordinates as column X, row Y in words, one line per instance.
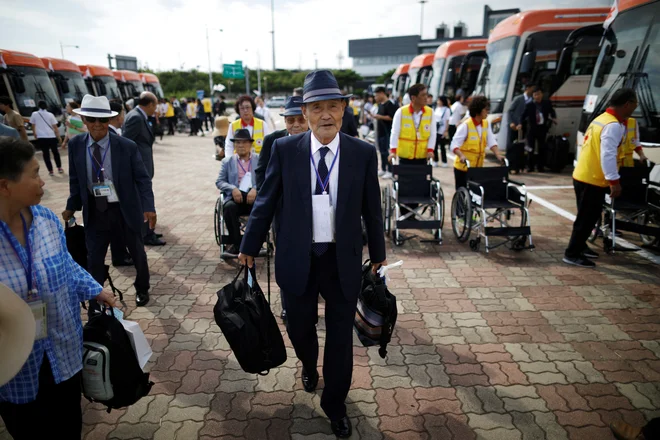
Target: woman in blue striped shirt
column 43, row 399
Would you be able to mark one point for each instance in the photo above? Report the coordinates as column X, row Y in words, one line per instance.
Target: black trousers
column 102, row 227
column 652, row 429
column 55, row 413
column 451, row 131
column 208, row 119
column 302, row 317
column 194, row 125
column 118, row 251
column 48, row 145
column 589, row 200
column 536, row 157
column 384, row 148
column 441, row 146
column 460, row 177
column 232, row 212
column 171, row 125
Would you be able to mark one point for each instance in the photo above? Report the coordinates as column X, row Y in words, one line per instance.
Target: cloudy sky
column 171, row 34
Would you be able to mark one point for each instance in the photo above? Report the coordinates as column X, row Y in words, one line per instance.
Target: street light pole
column 272, row 18
column 421, row 20
column 208, row 53
column 62, row 46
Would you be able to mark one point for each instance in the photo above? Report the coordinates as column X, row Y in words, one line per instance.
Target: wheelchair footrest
column 507, row 232
column 418, row 224
column 653, row 231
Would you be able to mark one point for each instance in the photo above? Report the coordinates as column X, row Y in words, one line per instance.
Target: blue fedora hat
column 293, row 106
column 321, row 85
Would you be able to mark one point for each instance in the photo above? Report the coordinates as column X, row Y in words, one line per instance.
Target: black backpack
column 376, row 312
column 245, row 318
column 111, row 373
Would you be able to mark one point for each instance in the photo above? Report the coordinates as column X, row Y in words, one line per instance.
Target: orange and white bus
column 66, row 79
column 151, row 84
column 100, row 81
column 400, row 81
column 421, row 69
column 526, row 48
column 25, row 81
column 629, row 57
column 456, row 67
column 130, row 84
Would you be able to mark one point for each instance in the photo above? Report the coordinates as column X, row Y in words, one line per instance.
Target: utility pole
column 421, row 20
column 340, row 58
column 316, row 62
column 62, row 46
column 272, row 18
column 259, row 72
column 208, row 53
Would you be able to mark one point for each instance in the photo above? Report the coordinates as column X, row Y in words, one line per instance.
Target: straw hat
column 17, row 333
column 221, row 126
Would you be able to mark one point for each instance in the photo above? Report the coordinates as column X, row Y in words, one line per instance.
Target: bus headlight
column 496, row 127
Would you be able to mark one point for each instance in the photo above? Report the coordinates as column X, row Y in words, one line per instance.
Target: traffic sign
column 233, row 71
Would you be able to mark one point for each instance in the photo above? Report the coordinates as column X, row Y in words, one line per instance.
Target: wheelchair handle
column 505, row 162
column 467, row 163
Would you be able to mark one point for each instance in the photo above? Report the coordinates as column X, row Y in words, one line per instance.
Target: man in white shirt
column 263, row 111
column 458, row 110
column 596, row 171
column 47, row 135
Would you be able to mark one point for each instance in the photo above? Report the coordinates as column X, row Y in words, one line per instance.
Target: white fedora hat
column 17, row 333
column 96, row 107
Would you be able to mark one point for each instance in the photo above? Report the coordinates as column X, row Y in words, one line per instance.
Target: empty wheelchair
column 491, row 196
column 636, row 210
column 414, row 200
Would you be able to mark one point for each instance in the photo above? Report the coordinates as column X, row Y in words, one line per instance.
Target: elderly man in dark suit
column 109, row 182
column 138, row 129
column 320, row 184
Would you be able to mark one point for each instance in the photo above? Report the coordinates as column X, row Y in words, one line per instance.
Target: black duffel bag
column 245, row 318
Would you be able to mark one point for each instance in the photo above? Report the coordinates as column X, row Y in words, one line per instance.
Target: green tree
column 385, row 77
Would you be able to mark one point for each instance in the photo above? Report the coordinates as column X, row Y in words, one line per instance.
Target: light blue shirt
column 107, row 164
column 6, row 130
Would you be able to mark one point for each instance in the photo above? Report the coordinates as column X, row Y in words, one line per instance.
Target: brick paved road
column 505, row 346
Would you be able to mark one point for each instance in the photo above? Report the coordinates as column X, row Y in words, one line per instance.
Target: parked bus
column 400, row 81
column 151, row 84
column 130, row 84
column 100, row 81
column 456, row 66
column 525, row 48
column 24, row 79
column 629, row 57
column 66, row 79
column 421, row 69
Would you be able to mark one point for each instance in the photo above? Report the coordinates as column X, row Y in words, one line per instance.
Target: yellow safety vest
column 206, row 102
column 170, row 110
column 588, row 169
column 625, row 155
column 412, row 142
column 257, row 133
column 474, row 147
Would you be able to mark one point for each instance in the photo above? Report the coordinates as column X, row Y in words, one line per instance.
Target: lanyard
column 324, row 185
column 28, row 251
column 94, row 161
column 238, row 159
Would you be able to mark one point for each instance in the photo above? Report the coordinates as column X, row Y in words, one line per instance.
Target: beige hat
column 17, row 333
column 221, row 126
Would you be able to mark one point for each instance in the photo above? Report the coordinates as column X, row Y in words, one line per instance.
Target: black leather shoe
column 154, row 241
column 310, row 380
column 125, row 262
column 142, row 298
column 342, row 427
column 158, row 235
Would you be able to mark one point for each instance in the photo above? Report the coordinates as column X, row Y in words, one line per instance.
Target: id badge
column 323, row 219
column 39, row 312
column 113, row 197
column 246, row 182
column 101, row 190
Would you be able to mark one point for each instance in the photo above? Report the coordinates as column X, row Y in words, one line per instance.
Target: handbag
column 245, row 318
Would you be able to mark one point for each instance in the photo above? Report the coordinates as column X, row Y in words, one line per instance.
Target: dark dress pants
column 99, row 232
column 48, row 145
column 302, row 316
column 232, row 213
column 55, row 413
column 652, row 429
column 384, row 148
column 171, row 124
column 589, row 200
column 536, row 159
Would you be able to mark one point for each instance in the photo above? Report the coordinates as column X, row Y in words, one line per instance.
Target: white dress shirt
column 417, row 117
column 461, row 135
column 42, row 123
column 458, row 111
column 442, row 115
column 329, row 157
column 610, row 138
column 229, row 144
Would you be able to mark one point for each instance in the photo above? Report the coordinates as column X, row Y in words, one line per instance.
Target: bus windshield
column 156, row 89
column 453, row 72
column 77, row 87
column 112, row 91
column 501, row 55
column 438, row 67
column 37, row 88
column 137, row 87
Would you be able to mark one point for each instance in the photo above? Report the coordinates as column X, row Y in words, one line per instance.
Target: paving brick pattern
column 500, row 346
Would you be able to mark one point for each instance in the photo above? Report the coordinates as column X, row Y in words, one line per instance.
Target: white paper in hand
column 384, row 269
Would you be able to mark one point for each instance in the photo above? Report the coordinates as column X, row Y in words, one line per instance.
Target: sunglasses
column 92, row 119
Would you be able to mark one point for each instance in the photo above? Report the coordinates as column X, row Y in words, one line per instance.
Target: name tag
column 323, row 219
column 39, row 312
column 246, row 182
column 101, row 190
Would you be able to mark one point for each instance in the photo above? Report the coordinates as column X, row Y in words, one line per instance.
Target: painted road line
column 550, row 187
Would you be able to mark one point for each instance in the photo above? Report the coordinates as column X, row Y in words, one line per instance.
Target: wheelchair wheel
column 217, row 222
column 596, row 231
column 441, row 214
column 387, row 209
column 461, row 215
column 475, row 244
column 648, row 219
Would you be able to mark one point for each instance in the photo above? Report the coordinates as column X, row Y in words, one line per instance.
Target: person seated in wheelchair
column 471, row 139
column 237, row 182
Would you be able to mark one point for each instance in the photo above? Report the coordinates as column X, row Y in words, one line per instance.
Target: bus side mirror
column 527, row 63
column 64, row 85
column 605, row 66
column 19, row 85
column 450, row 76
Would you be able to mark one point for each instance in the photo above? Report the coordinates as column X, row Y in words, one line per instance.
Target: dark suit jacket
column 130, row 178
column 529, row 116
column 517, row 109
column 136, row 128
column 288, row 177
column 264, row 156
column 348, row 124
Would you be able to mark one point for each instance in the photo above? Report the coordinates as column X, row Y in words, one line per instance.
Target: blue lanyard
column 238, row 159
column 324, row 185
column 94, row 164
column 28, row 251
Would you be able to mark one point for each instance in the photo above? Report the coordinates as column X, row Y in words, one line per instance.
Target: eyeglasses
column 293, row 119
column 245, row 107
column 92, row 120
